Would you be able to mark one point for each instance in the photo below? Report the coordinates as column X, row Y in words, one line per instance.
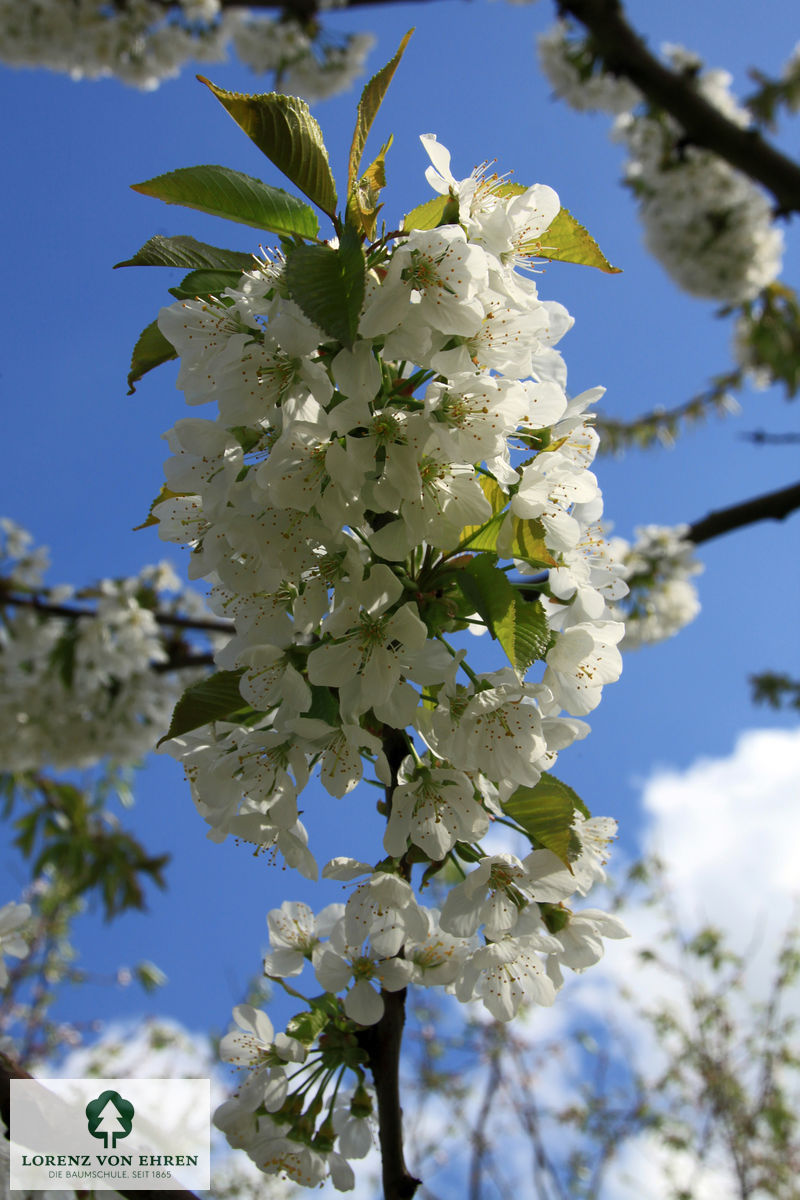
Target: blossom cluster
column 658, row 568
column 329, row 504
column 143, row 42
column 569, row 65
column 350, row 503
column 352, row 948
column 708, row 225
column 75, row 689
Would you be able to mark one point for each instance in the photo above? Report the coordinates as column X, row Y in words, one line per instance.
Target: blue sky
column 84, row 460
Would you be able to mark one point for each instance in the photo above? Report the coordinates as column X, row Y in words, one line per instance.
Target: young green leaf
column 493, row 492
column 188, row 254
column 151, row 518
column 307, row 1026
column 216, row 698
column 504, row 535
column 546, row 812
column 368, row 105
column 483, row 537
column 566, row 240
column 362, row 204
column 328, row 284
column 441, row 210
column 151, row 350
column 324, row 705
column 234, row 196
column 283, row 128
column 201, row 284
column 520, row 627
column 525, row 539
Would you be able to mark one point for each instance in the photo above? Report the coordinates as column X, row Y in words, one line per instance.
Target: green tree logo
column 109, row 1116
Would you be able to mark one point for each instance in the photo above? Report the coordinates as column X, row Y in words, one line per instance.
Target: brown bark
column 383, row 1041
column 774, row 506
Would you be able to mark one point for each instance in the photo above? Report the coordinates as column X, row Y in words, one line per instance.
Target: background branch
column 775, row 506
column 760, row 437
column 51, row 609
column 624, row 53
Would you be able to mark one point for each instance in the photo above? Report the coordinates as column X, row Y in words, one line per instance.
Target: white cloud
column 645, row 1168
column 729, row 829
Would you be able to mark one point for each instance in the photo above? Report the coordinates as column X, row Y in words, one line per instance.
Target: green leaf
column 324, row 705
column 283, row 128
column 216, row 698
column 247, row 437
column 307, row 1026
column 769, row 328
column 566, row 240
column 328, row 284
column 149, row 976
column 327, row 1003
column 368, row 105
column 493, row 492
column 507, row 536
column 546, row 812
column 234, row 196
column 467, row 853
column 520, row 627
column 188, row 254
column 199, row 285
column 523, row 538
column 152, row 519
column 151, row 350
column 362, row 205
column 483, row 537
column 441, row 210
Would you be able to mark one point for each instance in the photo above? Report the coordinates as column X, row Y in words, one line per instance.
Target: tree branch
column 624, row 53
column 760, row 437
column 383, row 1041
column 663, row 424
column 51, row 609
column 775, row 506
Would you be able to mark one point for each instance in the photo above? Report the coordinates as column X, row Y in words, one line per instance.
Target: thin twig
column 480, row 1142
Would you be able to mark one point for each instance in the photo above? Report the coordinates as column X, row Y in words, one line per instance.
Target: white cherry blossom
column 434, row 807
column 363, row 971
column 505, row 975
